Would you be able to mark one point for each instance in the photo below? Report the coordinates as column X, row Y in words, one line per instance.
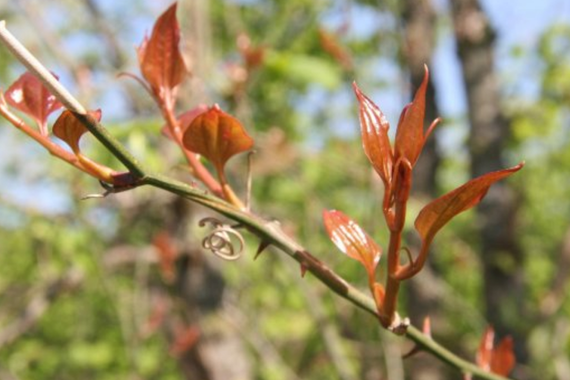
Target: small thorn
column 304, row 269
column 262, row 245
column 426, row 328
column 412, row 352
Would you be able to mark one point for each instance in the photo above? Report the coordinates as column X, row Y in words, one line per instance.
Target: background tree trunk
column 502, row 257
column 419, row 18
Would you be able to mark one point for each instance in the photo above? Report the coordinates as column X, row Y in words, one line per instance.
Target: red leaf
column 503, row 359
column 352, row 240
column 252, row 56
column 184, row 340
column 70, row 129
column 485, row 351
column 329, row 42
column 500, row 360
column 160, row 59
column 30, row 96
column 217, row 136
column 441, row 210
column 374, row 129
column 184, row 120
column 166, row 253
column 410, row 137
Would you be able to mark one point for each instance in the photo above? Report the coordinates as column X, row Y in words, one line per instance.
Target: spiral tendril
column 223, row 241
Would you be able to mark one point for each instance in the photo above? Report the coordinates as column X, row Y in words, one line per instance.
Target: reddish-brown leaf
column 166, row 253
column 441, row 210
column 184, row 340
column 69, row 128
column 159, row 56
column 330, row 44
column 499, row 360
column 30, row 96
column 374, row 129
column 217, row 136
column 485, row 351
column 503, row 359
column 410, row 137
column 352, row 240
column 253, row 56
column 184, row 120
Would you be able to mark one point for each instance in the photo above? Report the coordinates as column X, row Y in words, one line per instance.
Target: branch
column 267, row 232
column 56, row 88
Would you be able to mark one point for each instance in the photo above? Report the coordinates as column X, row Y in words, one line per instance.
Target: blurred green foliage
column 303, row 166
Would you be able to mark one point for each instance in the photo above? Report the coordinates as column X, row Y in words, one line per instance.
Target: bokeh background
column 120, row 288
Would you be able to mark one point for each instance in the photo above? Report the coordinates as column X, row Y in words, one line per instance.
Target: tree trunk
column 502, row 257
column 419, row 19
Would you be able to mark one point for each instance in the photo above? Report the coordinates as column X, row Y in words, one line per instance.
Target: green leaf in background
column 304, row 69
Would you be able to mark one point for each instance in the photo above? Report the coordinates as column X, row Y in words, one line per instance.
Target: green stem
column 269, row 232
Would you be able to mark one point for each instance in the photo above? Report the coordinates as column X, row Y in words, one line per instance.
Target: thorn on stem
column 262, row 245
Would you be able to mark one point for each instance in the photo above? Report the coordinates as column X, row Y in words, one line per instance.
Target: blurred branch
column 268, row 232
column 116, row 56
column 39, row 304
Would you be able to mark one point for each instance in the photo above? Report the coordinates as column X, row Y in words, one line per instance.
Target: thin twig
column 60, row 92
column 268, row 232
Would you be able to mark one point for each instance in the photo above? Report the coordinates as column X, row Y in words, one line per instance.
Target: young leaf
column 440, row 211
column 503, row 357
column 217, row 136
column 500, row 360
column 69, row 129
column 352, row 240
column 374, row 129
column 30, row 96
column 485, row 351
column 160, row 59
column 184, row 120
column 410, row 137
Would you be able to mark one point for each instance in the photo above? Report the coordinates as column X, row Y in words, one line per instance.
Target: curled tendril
column 224, row 241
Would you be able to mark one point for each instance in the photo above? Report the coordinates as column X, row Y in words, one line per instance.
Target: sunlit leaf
column 217, row 136
column 160, row 59
column 69, row 128
column 352, row 240
column 30, row 96
column 440, row 211
column 184, row 120
column 410, row 137
column 374, row 129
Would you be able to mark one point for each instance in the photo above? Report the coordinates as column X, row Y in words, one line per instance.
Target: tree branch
column 267, row 232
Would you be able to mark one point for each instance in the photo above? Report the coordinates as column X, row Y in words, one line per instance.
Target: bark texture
column 423, row 299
